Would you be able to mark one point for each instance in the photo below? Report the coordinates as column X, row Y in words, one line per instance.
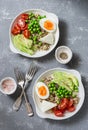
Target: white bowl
column 63, row 49
column 68, row 114
column 12, row 91
column 38, row 53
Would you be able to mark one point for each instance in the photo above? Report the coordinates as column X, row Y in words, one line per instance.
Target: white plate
column 68, row 114
column 38, row 53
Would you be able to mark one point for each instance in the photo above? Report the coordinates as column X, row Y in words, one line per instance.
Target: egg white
column 37, row 86
column 41, row 23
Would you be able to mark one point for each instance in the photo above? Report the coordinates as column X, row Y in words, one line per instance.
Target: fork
column 29, row 75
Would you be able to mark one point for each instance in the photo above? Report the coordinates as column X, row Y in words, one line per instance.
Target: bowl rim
column 11, row 92
column 82, row 99
column 13, row 49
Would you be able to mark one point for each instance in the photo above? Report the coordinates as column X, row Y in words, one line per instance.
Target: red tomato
column 63, row 104
column 71, row 109
column 21, row 23
column 25, row 16
column 15, row 31
column 58, row 113
column 17, row 27
column 54, row 109
column 26, row 33
column 24, row 28
column 70, row 103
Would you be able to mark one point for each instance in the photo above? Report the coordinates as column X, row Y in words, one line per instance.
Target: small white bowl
column 65, row 50
column 3, row 89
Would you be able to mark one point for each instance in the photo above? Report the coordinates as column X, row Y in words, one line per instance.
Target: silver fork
column 29, row 75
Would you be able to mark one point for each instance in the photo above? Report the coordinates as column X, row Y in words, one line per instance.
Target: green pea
column 49, row 85
column 37, row 29
column 37, row 26
column 34, row 30
column 70, row 93
column 53, row 85
column 54, row 88
column 40, row 33
column 60, row 92
column 29, row 28
column 51, row 88
column 62, row 96
column 39, row 17
column 31, row 32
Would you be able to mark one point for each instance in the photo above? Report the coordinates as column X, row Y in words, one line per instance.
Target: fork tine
column 33, row 71
column 30, row 68
column 18, row 74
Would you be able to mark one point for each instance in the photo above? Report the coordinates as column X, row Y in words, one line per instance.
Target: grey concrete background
column 73, row 16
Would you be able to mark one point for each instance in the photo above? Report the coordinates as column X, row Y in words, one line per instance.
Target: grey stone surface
column 73, row 16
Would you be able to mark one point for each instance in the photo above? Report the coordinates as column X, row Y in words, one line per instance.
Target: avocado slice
column 23, row 44
column 66, row 80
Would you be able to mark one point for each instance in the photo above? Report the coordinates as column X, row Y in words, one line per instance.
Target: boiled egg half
column 47, row 24
column 42, row 90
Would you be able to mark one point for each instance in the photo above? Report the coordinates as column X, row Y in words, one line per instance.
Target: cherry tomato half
column 25, row 16
column 14, row 31
column 21, row 23
column 63, row 104
column 17, row 27
column 54, row 109
column 70, row 103
column 26, row 33
column 71, row 109
column 58, row 113
column 24, row 28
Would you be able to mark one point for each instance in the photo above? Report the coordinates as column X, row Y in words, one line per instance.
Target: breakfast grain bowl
column 58, row 94
column 34, row 33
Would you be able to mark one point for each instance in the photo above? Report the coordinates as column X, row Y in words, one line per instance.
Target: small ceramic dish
column 63, row 54
column 8, row 86
column 51, row 115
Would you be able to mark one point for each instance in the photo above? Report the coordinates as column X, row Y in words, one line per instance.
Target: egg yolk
column 42, row 91
column 48, row 25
